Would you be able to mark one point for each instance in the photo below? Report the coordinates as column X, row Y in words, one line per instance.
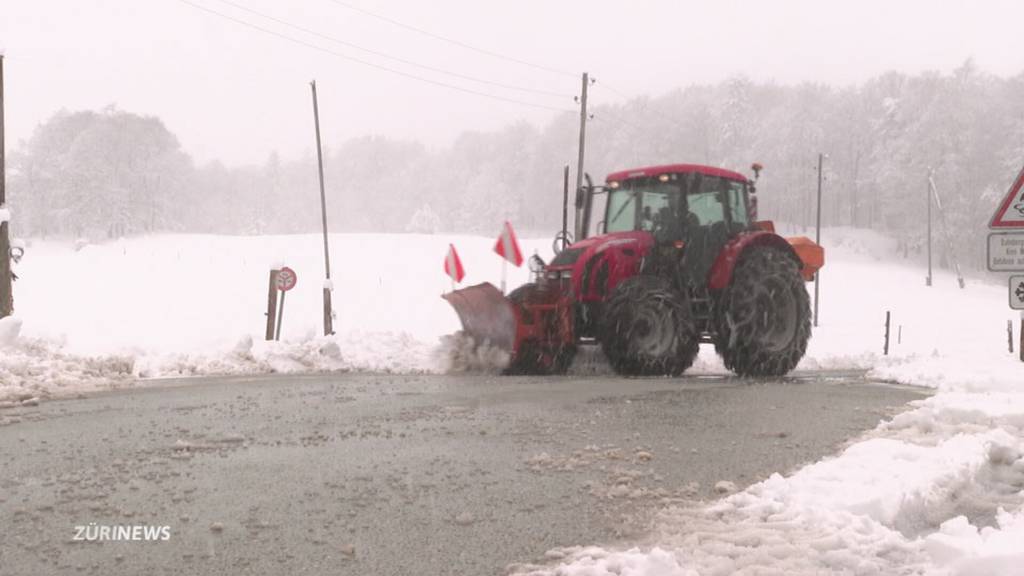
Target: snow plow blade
column 486, row 315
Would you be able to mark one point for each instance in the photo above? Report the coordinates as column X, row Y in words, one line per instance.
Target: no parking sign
column 286, row 279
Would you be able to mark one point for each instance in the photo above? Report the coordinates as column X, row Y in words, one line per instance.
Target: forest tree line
column 111, row 173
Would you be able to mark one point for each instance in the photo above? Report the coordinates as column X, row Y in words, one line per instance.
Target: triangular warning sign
column 453, row 265
column 508, row 247
column 1010, row 213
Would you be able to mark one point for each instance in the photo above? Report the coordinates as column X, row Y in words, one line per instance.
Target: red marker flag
column 453, row 266
column 508, row 247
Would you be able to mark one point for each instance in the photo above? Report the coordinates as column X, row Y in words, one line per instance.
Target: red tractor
column 670, row 256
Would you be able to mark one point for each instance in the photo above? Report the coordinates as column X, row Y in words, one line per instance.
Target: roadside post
column 888, row 319
column 286, row 280
column 272, row 302
column 1009, row 335
column 1005, row 249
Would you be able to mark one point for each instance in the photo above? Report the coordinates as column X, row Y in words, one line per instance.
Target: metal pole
column 6, row 294
column 928, row 281
column 583, row 144
column 817, row 239
column 328, row 310
column 280, row 316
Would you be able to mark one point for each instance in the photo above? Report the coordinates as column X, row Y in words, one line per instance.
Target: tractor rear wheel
column 762, row 319
column 648, row 329
column 533, row 358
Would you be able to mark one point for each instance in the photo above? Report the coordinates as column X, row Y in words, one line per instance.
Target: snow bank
column 178, row 305
column 935, row 490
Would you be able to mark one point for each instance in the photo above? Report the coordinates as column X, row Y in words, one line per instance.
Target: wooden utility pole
column 328, row 310
column 6, row 295
column 579, row 163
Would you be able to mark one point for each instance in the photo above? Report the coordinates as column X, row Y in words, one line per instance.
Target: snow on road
column 934, row 490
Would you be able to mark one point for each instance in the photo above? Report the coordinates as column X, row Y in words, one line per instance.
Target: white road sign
column 1017, row 292
column 1006, row 251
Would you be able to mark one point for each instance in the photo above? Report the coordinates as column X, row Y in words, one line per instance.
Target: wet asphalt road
column 395, row 475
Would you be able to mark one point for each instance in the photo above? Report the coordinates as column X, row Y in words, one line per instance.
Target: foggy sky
column 234, row 93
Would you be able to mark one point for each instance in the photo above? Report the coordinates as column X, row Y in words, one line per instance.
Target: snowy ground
column 937, row 489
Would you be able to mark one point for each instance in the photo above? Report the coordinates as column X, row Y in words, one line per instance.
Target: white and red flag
column 453, row 265
column 508, row 247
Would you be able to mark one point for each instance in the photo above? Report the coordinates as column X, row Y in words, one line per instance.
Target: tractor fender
column 725, row 263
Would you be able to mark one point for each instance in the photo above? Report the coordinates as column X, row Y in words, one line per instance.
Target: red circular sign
column 286, row 279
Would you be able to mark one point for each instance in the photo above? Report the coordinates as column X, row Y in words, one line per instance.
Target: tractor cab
column 690, row 211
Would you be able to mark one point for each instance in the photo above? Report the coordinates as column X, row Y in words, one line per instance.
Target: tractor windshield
column 660, row 206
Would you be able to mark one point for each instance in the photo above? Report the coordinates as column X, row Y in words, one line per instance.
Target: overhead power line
column 452, row 41
column 647, row 108
column 370, row 64
column 393, row 58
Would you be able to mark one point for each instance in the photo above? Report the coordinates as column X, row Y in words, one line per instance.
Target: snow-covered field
column 937, row 489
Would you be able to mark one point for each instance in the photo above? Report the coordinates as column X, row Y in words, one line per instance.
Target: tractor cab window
column 639, row 205
column 621, row 210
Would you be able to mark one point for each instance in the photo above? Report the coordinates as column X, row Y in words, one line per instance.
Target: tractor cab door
column 714, row 212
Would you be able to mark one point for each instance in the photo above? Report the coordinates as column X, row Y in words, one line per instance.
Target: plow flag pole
column 453, row 266
column 508, row 248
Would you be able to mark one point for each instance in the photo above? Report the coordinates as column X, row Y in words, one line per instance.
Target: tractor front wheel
column 763, row 319
column 648, row 328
